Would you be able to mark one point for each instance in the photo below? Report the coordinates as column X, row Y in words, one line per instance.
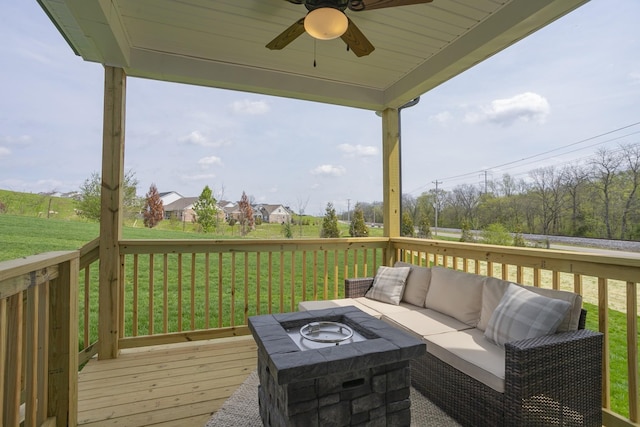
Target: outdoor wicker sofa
column 552, row 379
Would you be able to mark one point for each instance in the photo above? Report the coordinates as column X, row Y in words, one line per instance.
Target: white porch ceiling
column 221, row 43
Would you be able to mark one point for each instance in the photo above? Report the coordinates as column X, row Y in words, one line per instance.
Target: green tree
column 89, row 199
column 153, row 210
column 287, row 230
column 424, row 226
column 466, row 235
column 357, row 227
column 496, row 234
column 247, row 223
column 406, row 228
column 206, row 211
column 330, row 223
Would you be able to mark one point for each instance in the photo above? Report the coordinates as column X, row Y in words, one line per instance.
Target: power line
column 514, row 163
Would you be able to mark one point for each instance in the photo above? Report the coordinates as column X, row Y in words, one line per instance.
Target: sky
column 551, row 99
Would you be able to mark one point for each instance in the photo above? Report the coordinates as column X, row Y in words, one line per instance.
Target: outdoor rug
column 241, row 409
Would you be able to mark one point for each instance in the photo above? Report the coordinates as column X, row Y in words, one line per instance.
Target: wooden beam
column 391, row 174
column 111, row 211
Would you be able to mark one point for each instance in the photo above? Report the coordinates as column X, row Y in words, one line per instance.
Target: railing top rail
column 20, row 266
column 613, row 267
column 248, row 245
column 90, row 252
column 18, row 274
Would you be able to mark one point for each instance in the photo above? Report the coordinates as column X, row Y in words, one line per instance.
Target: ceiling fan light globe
column 326, row 23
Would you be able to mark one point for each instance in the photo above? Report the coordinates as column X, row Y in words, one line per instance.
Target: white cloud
column 328, row 170
column 250, row 107
column 442, row 118
column 358, row 150
column 4, row 151
column 635, row 77
column 15, row 140
column 205, row 162
column 526, row 106
column 198, row 138
column 197, row 177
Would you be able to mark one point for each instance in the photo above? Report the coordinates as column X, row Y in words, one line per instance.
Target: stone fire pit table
column 365, row 379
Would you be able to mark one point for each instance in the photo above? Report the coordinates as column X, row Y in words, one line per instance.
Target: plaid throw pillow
column 522, row 314
column 388, row 284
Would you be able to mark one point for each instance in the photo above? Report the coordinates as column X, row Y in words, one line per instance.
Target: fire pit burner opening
column 326, row 332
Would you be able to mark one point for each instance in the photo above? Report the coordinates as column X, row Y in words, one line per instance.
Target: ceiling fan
column 326, row 20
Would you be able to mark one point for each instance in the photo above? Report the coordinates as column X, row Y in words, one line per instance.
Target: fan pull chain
column 315, row 45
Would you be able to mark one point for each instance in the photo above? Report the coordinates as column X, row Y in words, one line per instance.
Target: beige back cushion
column 494, row 289
column 456, row 293
column 415, row 290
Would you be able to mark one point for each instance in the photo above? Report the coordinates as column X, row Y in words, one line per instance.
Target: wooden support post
column 63, row 345
column 391, row 176
column 111, row 211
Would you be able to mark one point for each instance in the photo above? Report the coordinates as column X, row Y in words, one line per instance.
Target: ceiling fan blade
column 356, row 41
column 360, row 5
column 287, row 36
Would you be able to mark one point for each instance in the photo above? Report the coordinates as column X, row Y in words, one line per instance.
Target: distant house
column 181, row 209
column 278, row 214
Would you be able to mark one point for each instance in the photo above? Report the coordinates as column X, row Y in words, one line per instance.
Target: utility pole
column 436, row 182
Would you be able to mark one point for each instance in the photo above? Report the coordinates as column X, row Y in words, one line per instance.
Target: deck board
column 169, row 385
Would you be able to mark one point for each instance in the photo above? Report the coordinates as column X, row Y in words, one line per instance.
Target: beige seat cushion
column 383, row 307
column 471, row 353
column 319, row 305
column 415, row 290
column 424, row 321
column 494, row 290
column 456, row 293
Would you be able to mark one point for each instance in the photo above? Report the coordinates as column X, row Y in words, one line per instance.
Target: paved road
column 595, row 246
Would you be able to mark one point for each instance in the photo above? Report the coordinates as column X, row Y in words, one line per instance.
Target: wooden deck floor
column 171, row 385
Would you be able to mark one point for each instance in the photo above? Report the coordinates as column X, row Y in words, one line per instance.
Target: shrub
column 496, row 234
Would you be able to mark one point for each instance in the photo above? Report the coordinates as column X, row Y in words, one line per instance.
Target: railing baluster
column 365, row 265
column 233, row 289
column 220, row 291
column 603, row 326
column 150, row 294
column 31, row 359
column 165, row 293
column 134, row 310
column 193, row 291
column 13, row 361
column 43, row 352
column 293, row 281
column 246, row 288
column 179, row 292
column 325, row 294
column 335, row 270
column 315, row 275
column 4, row 320
column 281, row 282
column 87, row 311
column 270, row 284
column 121, row 304
column 207, row 289
column 304, row 275
column 258, row 284
column 632, row 351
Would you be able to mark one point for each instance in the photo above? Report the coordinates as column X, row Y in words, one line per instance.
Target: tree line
column 597, row 198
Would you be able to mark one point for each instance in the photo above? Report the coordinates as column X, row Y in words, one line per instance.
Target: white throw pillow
column 388, row 284
column 456, row 293
column 415, row 291
column 522, row 314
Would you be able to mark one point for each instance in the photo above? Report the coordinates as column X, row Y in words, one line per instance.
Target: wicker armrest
column 554, row 376
column 354, row 288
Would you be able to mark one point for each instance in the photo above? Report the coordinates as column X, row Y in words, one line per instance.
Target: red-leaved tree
column 247, row 221
column 153, row 211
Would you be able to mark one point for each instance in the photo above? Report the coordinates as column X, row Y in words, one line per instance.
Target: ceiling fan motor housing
column 333, row 4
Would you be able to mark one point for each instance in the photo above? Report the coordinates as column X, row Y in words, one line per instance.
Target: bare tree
column 547, row 186
column 574, row 178
column 466, row 198
column 631, row 159
column 605, row 165
column 302, row 206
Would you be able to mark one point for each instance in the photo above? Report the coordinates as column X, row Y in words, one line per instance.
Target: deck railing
column 187, row 290
column 38, row 340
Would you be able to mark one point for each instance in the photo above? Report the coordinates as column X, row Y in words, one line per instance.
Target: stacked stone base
column 377, row 396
